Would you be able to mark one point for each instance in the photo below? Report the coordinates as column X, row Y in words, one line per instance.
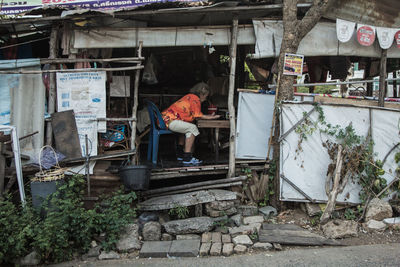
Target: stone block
column 220, row 205
column 155, row 249
column 184, row 248
column 227, row 249
column 242, row 240
column 246, row 210
column 237, row 219
column 129, row 239
column 245, row 229
column 109, row 255
column 151, row 231
column 226, row 238
column 378, row 210
column 268, row 211
column 188, row 237
column 189, row 226
column 253, row 219
column 216, row 249
column 206, row 237
column 262, row 246
column 375, row 225
column 205, row 249
column 166, row 237
column 240, row 249
column 216, row 237
column 340, row 229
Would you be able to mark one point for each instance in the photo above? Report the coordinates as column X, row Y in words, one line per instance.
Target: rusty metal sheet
column 382, row 13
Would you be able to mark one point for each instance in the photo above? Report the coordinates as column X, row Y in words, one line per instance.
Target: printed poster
column 385, row 36
column 397, row 38
column 293, row 64
column 85, row 93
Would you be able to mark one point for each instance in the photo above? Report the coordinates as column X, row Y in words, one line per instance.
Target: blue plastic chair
column 158, row 128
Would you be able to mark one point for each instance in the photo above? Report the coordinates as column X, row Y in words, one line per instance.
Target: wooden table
column 216, row 125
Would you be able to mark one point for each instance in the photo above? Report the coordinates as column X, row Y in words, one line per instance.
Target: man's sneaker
column 192, row 162
column 179, row 158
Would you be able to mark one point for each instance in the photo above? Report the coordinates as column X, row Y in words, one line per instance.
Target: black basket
column 135, row 177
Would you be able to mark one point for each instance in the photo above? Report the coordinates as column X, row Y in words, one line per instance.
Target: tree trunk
column 293, row 32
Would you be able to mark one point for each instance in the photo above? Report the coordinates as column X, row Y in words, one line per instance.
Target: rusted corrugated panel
column 383, row 13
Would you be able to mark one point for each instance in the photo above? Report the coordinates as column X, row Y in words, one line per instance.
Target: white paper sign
column 344, row 30
column 385, row 36
column 85, row 93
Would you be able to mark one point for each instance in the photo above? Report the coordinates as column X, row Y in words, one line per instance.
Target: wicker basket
column 54, row 174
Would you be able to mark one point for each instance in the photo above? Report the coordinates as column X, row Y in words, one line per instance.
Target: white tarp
column 85, row 93
column 320, row 41
column 22, row 103
column 307, row 169
column 254, row 125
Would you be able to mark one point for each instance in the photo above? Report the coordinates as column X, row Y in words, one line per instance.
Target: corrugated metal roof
column 382, row 13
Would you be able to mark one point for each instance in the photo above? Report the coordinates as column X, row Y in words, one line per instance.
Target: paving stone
column 227, row 249
column 253, row 219
column 268, row 210
column 206, row 237
column 216, row 237
column 226, row 238
column 242, row 240
column 155, row 249
column 188, row 237
column 184, row 248
column 189, row 226
column 240, row 249
column 216, row 249
column 277, row 246
column 205, row 249
column 262, row 246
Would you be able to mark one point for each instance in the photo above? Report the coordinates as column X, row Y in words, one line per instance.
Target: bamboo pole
column 231, row 108
column 135, row 100
column 53, row 71
column 51, row 102
column 382, row 76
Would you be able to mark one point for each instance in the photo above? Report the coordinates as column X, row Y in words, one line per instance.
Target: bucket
column 40, row 192
column 135, row 177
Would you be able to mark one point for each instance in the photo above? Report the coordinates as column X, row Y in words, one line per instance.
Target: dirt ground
column 299, row 217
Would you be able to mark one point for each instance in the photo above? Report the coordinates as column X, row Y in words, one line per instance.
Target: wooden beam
column 51, row 101
column 382, row 77
column 135, row 100
column 206, row 187
column 78, row 60
column 54, row 71
column 231, row 108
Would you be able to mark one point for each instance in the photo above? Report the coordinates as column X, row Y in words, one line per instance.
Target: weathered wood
column 69, row 70
column 213, row 124
column 193, row 185
column 51, row 100
column 231, row 107
column 184, row 200
column 172, row 175
column 382, row 77
column 263, row 185
column 330, row 206
column 135, row 101
column 2, row 169
column 206, row 187
column 100, row 60
column 294, row 237
column 292, row 227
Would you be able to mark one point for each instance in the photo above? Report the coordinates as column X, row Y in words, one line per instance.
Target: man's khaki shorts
column 184, row 127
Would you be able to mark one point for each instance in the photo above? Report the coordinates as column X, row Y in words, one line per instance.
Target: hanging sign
column 344, row 30
column 293, row 64
column 397, row 38
column 385, row 37
column 365, row 34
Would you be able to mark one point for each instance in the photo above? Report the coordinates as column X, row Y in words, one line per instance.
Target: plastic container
column 41, row 190
column 135, row 177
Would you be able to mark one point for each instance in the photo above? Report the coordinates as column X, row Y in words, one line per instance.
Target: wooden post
column 231, row 108
column 394, row 84
column 135, row 100
column 382, row 78
column 51, row 100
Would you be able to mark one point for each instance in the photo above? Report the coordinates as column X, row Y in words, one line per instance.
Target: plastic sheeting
column 320, row 41
column 307, row 169
column 24, row 96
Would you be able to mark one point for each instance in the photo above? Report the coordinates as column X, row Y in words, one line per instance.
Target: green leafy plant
column 180, row 212
column 349, row 214
column 66, row 228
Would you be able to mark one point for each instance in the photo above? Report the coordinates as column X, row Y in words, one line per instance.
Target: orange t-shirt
column 188, row 108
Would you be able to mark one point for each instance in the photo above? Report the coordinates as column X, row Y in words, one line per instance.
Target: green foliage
column 66, row 228
column 349, row 214
column 254, row 236
column 180, row 212
column 270, row 190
